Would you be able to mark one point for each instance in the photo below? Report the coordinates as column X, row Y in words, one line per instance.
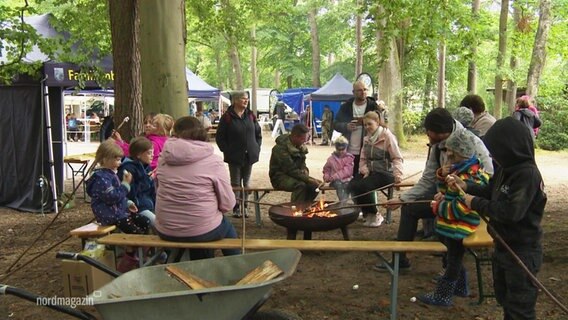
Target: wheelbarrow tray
column 150, row 293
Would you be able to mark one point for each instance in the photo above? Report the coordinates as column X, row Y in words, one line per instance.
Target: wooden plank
column 91, row 229
column 189, row 278
column 79, row 158
column 480, row 238
column 266, row 271
column 121, row 239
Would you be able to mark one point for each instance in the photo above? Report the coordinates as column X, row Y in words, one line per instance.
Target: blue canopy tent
column 200, row 89
column 333, row 93
column 296, row 98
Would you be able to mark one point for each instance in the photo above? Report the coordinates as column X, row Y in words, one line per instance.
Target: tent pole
column 49, row 143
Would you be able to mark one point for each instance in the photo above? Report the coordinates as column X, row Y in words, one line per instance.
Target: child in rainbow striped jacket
column 454, row 220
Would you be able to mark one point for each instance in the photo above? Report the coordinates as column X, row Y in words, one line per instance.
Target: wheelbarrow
column 151, row 293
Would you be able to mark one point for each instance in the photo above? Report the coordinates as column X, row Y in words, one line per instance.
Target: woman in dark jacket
column 239, row 138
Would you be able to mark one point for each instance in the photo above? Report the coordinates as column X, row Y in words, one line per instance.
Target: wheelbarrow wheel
column 275, row 314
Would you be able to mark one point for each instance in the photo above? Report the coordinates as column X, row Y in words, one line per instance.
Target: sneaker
column 404, row 265
column 237, row 214
column 361, row 217
column 127, row 263
column 376, row 220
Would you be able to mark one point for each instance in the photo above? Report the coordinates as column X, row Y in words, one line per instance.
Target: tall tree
column 472, row 67
column 358, row 40
column 503, row 17
column 513, row 60
column 539, row 48
column 316, row 61
column 390, row 82
column 162, row 51
column 125, row 27
column 254, row 74
column 442, row 74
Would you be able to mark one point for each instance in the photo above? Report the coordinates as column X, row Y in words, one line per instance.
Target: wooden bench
column 78, row 164
column 92, row 230
column 393, row 247
column 259, row 193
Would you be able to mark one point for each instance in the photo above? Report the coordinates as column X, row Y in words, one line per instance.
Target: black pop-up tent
column 31, row 126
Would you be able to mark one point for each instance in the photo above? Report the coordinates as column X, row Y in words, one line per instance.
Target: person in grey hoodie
column 193, row 190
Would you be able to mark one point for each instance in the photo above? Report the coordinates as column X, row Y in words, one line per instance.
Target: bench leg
column 257, row 208
column 389, row 211
column 483, row 259
column 394, row 269
column 307, row 235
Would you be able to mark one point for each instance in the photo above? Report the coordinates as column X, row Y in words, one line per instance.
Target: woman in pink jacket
column 193, row 190
column 380, row 165
column 338, row 170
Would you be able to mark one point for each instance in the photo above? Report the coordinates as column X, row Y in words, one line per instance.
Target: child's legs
column 341, row 189
column 514, row 290
column 133, row 224
column 454, row 257
column 148, row 214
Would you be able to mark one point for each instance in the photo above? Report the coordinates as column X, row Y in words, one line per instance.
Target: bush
column 554, row 116
column 412, row 122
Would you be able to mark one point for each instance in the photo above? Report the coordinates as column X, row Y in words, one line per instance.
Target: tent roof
column 336, row 89
column 198, row 88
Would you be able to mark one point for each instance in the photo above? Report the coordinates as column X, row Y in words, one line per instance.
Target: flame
column 315, row 211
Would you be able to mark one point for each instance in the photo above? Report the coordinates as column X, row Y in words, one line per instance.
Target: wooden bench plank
column 121, row 239
column 480, row 238
column 92, row 230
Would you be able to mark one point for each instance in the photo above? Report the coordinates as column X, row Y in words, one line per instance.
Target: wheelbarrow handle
column 8, row 290
column 89, row 261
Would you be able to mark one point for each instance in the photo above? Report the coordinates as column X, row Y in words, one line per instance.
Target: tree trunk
column 442, row 74
column 501, row 58
column 472, row 67
column 513, row 62
column 539, row 49
column 358, row 41
column 218, row 68
column 162, row 52
column 254, row 76
column 428, row 84
column 277, row 75
column 315, row 48
column 124, row 25
column 236, row 61
column 390, row 82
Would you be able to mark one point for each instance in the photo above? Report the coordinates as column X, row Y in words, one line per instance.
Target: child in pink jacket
column 338, row 170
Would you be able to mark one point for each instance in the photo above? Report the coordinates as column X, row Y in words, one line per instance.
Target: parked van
column 263, row 102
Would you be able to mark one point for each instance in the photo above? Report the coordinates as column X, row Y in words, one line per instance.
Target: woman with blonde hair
column 380, row 164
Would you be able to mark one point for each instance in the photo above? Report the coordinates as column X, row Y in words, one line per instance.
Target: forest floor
column 322, row 286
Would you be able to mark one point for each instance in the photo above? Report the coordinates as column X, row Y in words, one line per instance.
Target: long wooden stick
column 380, row 188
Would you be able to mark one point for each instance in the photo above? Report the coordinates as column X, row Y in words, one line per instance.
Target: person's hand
column 132, row 207
column 397, row 180
column 439, row 196
column 351, row 126
column 454, row 182
column 116, row 135
column 127, row 177
column 152, row 174
column 315, row 182
column 393, row 204
column 445, row 170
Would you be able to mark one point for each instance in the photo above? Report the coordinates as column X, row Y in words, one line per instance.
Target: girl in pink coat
column 338, row 170
column 193, row 190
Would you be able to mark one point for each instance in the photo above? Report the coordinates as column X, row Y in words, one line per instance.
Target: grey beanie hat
column 462, row 142
column 464, row 116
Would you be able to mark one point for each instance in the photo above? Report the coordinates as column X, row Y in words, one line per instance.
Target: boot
column 462, row 287
column 442, row 295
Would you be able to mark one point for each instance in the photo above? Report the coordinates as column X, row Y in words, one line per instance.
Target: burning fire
column 317, row 210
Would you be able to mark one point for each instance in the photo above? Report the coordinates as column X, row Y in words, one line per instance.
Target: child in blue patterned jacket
column 108, row 198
